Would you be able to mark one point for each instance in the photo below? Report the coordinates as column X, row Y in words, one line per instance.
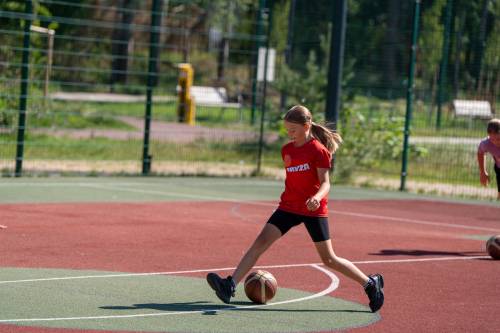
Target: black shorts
column 317, row 226
column 497, row 171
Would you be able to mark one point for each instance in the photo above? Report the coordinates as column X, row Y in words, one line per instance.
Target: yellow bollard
column 186, row 104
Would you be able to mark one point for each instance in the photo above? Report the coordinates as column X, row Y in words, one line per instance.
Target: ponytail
column 328, row 137
column 299, row 114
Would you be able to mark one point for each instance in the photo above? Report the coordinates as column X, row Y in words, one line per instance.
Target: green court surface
column 96, row 300
column 142, row 189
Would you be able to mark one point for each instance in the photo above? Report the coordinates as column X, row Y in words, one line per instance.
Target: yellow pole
column 186, row 103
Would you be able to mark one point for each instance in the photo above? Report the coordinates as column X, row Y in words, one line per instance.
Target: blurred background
column 179, row 87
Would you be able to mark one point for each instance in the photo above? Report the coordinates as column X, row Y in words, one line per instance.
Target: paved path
column 183, row 133
column 161, row 131
column 106, row 97
column 445, row 140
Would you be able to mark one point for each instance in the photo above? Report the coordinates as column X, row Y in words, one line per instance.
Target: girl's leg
column 341, row 265
column 497, row 172
column 269, row 234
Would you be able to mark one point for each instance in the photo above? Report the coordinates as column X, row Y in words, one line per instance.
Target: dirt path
column 161, row 131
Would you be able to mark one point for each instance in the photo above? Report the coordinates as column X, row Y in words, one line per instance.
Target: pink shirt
column 486, row 146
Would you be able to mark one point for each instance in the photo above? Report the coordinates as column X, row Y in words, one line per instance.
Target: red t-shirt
column 301, row 183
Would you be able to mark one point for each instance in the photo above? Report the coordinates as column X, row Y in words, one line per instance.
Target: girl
column 307, row 160
column 491, row 145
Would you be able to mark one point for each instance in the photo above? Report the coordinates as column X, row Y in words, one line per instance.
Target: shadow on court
column 420, row 253
column 211, row 309
column 173, row 307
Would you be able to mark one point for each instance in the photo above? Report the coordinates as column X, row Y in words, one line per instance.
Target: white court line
column 405, row 220
column 209, row 197
column 372, row 216
column 333, row 285
column 392, row 261
column 399, row 261
column 142, row 183
column 172, row 194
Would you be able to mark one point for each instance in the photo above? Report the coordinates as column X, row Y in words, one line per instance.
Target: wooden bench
column 472, row 109
column 214, row 97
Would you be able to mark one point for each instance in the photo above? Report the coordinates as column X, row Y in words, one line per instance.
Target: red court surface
column 431, row 254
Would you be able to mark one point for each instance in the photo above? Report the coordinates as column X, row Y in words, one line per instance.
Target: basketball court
column 131, row 255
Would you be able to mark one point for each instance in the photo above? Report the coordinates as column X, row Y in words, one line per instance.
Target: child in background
column 307, row 160
column 491, row 145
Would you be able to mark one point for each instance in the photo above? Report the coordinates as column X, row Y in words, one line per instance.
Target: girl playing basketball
column 307, row 160
column 491, row 145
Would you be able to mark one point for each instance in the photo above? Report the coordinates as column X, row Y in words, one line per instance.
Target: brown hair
column 299, row 114
column 493, row 126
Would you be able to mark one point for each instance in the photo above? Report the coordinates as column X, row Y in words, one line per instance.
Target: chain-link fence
column 93, row 70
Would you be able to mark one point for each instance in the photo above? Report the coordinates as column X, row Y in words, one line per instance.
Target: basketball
column 493, row 247
column 260, row 286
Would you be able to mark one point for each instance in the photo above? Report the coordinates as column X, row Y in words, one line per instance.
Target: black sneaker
column 375, row 292
column 224, row 288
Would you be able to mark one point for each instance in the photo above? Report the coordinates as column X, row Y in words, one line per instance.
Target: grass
column 76, row 121
column 48, row 147
column 423, row 121
column 432, row 167
column 165, row 111
column 104, row 115
column 455, row 165
column 451, row 164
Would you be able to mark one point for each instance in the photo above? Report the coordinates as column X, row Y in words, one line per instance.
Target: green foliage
column 492, row 55
column 8, row 104
column 369, row 142
column 10, row 70
column 431, row 41
column 309, row 88
column 223, row 14
column 279, row 31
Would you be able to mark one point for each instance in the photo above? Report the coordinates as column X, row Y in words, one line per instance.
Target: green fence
column 90, row 64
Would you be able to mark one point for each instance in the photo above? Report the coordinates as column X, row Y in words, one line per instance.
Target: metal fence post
column 28, row 9
column 409, row 93
column 264, row 85
column 337, row 44
column 156, row 15
column 262, row 6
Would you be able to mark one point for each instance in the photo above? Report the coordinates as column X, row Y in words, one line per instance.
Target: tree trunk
column 122, row 35
column 390, row 50
column 458, row 51
column 478, row 59
column 223, row 58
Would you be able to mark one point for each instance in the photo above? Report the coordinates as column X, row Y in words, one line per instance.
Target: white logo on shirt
column 301, row 167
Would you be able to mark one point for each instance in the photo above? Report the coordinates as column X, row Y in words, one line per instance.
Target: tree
column 310, row 86
column 224, row 16
column 392, row 38
column 490, row 79
column 430, row 44
column 121, row 40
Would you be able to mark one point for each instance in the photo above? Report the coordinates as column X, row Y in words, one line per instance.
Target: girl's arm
column 313, row 202
column 483, row 174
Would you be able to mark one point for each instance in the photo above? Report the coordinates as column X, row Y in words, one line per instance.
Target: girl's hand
column 312, row 203
column 484, row 178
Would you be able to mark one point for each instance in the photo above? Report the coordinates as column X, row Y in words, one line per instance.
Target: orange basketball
column 493, row 247
column 260, row 286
